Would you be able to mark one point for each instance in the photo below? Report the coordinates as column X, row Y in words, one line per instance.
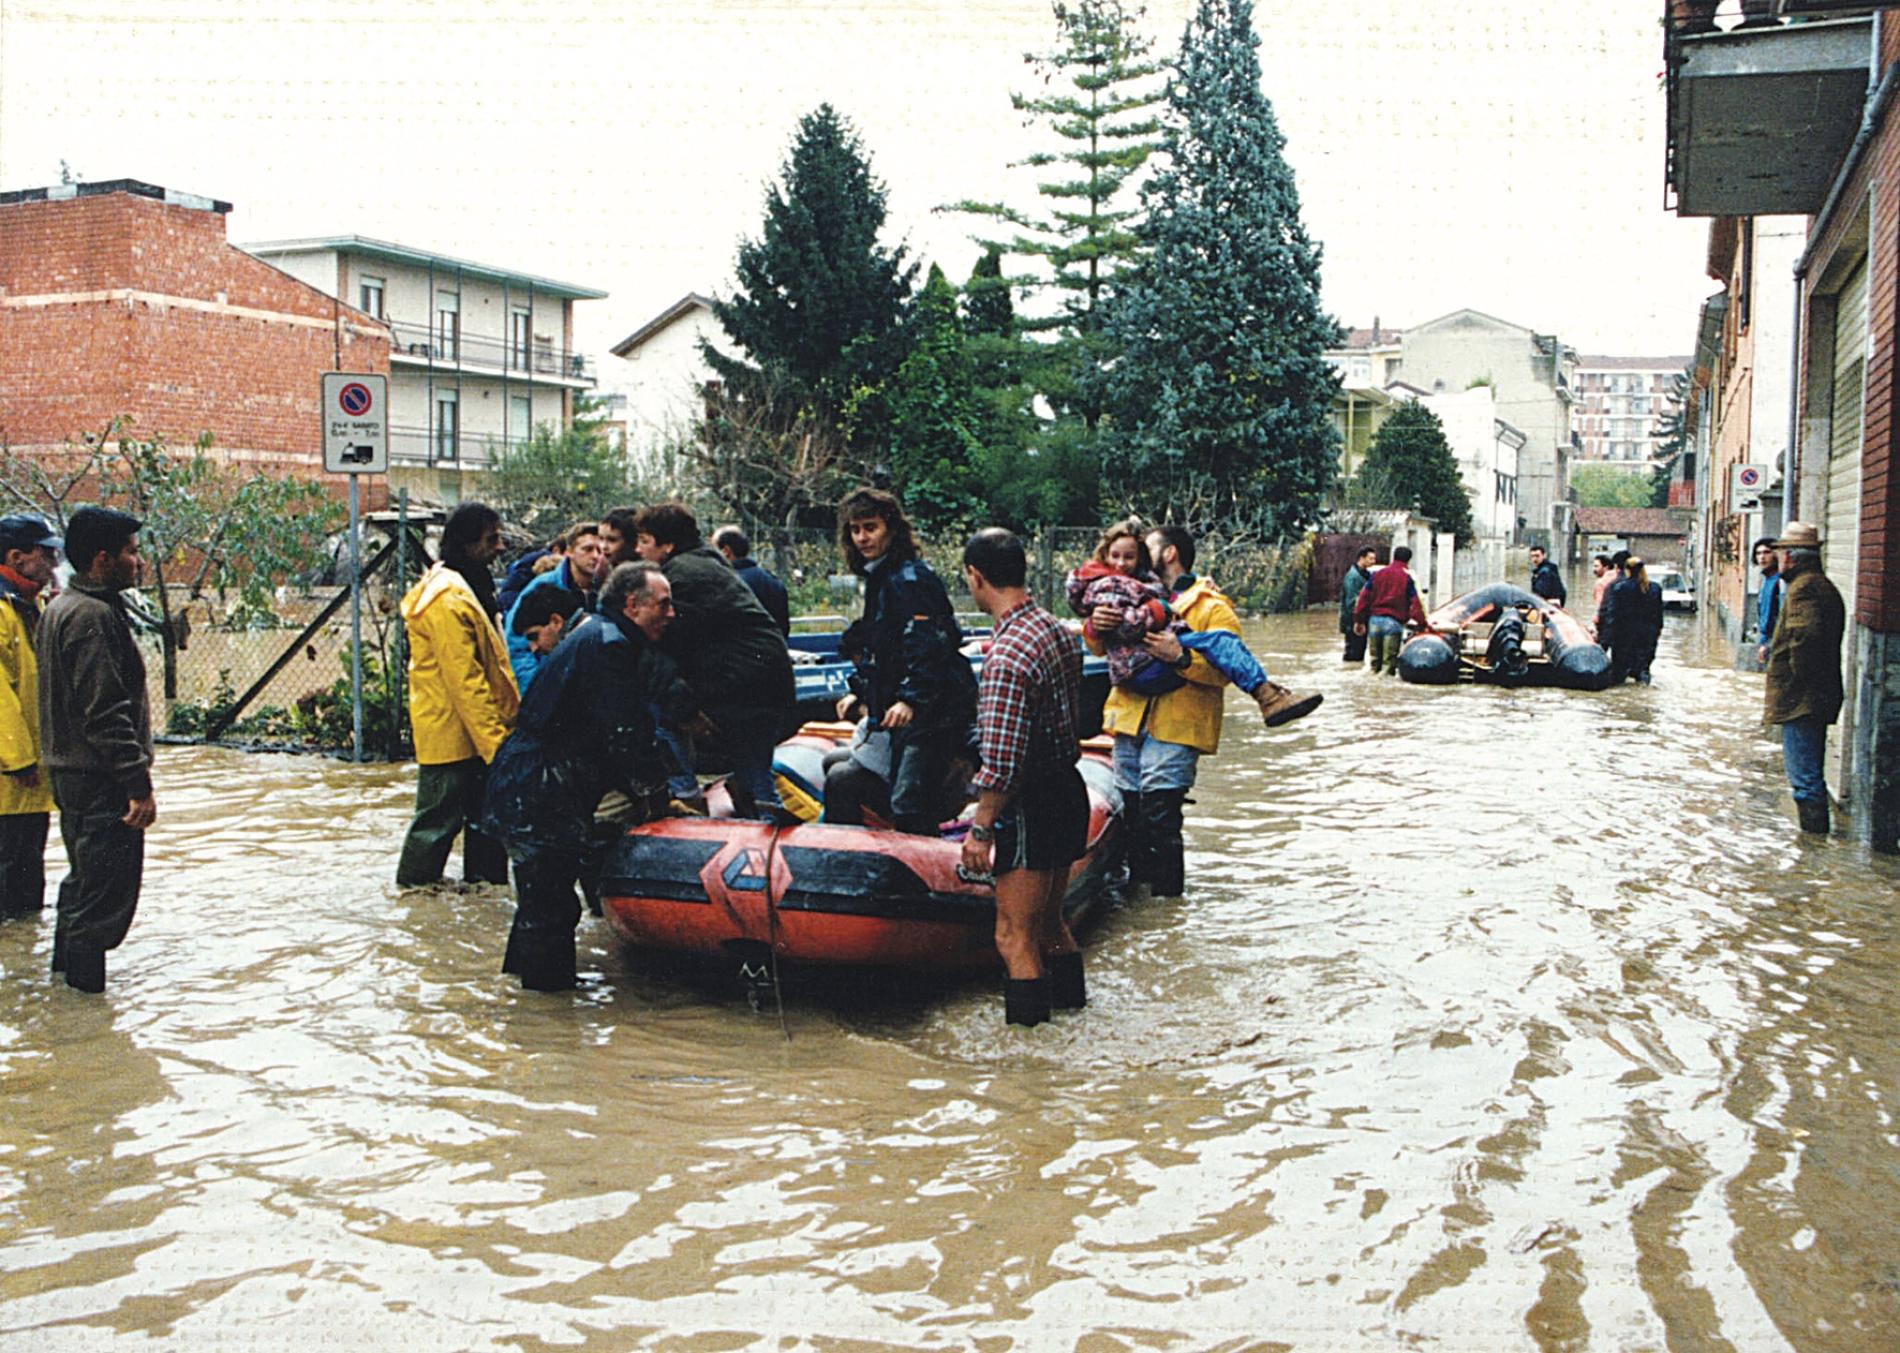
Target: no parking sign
column 1745, row 486
column 355, row 423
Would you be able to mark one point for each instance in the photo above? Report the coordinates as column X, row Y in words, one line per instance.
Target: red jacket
column 1393, row 594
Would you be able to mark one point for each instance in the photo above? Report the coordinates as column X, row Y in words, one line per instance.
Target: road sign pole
column 356, row 624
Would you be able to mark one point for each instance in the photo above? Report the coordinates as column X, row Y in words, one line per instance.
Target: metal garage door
column 1840, row 525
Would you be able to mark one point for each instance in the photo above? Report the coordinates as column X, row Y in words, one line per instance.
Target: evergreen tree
column 820, row 303
column 1083, row 238
column 1409, row 465
column 1222, row 392
column 925, row 415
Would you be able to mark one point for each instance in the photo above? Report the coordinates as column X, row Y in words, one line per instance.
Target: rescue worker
column 462, row 702
column 585, row 728
column 27, row 559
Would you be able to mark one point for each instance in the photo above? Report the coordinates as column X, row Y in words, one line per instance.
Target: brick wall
column 119, row 304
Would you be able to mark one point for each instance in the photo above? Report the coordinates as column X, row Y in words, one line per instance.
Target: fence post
column 400, row 664
column 1046, row 564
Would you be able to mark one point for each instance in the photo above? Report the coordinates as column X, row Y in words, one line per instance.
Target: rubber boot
column 1134, row 839
column 1279, row 705
column 1161, row 823
column 1025, row 1002
column 546, row 963
column 1067, row 990
column 86, row 970
column 511, row 956
column 59, row 953
column 1392, row 643
column 1814, row 815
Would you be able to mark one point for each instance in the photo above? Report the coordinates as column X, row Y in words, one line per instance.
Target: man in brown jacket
column 1804, row 670
column 96, row 739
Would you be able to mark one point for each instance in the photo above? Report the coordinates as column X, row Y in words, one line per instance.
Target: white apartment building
column 480, row 356
column 1622, row 403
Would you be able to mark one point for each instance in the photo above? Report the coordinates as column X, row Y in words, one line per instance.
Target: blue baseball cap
column 23, row 531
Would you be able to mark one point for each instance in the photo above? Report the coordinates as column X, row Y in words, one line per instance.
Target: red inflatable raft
column 819, row 894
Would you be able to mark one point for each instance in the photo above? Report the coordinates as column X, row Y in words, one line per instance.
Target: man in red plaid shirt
column 1032, row 810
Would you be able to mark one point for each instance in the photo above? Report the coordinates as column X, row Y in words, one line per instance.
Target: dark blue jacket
column 1547, row 583
column 912, row 643
column 520, row 574
column 1630, row 624
column 769, row 590
column 585, row 727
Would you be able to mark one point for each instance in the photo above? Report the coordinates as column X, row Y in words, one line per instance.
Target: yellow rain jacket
column 20, row 710
column 1189, row 715
column 462, row 696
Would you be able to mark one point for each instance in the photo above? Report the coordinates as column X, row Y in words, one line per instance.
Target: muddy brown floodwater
column 1494, row 1020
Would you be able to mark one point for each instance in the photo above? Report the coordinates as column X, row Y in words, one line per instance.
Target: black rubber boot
column 1134, row 840
column 1067, row 991
column 59, row 953
column 1026, row 1002
column 1167, row 863
column 546, row 964
column 86, row 970
column 1814, row 815
column 511, row 956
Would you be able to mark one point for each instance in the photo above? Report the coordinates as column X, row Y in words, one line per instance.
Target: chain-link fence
column 218, row 673
column 1258, row 577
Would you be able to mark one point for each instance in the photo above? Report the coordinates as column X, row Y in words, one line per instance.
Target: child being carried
column 1121, row 577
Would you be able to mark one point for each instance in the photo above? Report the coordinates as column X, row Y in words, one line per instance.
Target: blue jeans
column 1803, row 742
column 677, row 752
column 1228, row 654
column 1144, row 763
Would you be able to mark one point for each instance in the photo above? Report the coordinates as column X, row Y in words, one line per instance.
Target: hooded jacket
column 522, row 658
column 20, row 704
column 1190, row 715
column 913, row 647
column 462, row 696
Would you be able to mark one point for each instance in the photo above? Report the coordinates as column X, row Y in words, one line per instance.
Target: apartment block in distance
column 1623, row 404
column 123, row 298
column 481, row 356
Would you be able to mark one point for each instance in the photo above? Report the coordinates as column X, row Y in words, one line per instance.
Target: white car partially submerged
column 1677, row 593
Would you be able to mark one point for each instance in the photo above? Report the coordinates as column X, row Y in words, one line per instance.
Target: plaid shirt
column 1027, row 698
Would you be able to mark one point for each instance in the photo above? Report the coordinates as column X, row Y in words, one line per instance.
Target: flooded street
column 1494, row 1020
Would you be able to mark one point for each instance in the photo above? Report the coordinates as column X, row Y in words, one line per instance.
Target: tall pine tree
column 1099, row 107
column 1221, row 393
column 821, row 304
column 1409, row 465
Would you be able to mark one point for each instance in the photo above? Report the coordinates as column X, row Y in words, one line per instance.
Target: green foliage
column 1221, row 394
column 1596, row 484
column 1409, row 465
column 925, row 416
column 1673, row 432
column 820, row 304
column 561, row 476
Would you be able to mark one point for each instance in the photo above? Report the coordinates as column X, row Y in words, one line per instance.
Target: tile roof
column 1632, row 521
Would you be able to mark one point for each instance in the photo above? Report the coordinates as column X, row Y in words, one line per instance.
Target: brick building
column 123, row 298
column 1793, row 114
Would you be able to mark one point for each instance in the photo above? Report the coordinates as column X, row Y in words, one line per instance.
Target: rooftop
column 685, row 305
column 1633, row 363
column 1633, row 521
column 61, row 192
column 363, row 246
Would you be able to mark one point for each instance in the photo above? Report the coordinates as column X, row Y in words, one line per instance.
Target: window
column 448, row 426
column 369, row 296
column 520, row 419
column 519, row 322
column 448, row 326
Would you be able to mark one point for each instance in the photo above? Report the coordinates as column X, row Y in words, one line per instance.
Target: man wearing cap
column 96, row 727
column 26, row 793
column 1803, row 689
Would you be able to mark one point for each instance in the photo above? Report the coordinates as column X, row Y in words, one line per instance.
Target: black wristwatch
column 978, row 832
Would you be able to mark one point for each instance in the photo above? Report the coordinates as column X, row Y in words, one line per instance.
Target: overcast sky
column 1500, row 154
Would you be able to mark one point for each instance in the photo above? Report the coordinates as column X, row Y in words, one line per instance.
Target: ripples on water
column 1496, row 1020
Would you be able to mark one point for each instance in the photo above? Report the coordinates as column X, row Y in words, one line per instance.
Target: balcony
column 439, row 447
column 416, row 345
column 1761, row 110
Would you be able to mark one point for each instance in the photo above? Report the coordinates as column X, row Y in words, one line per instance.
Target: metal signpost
column 355, row 442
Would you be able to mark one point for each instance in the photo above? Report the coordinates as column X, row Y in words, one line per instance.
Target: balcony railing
column 437, row 446
column 1764, row 97
column 471, row 351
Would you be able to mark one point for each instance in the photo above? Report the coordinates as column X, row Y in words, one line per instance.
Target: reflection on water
column 1494, row 1020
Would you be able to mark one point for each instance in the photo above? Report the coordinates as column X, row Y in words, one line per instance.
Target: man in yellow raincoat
column 462, row 702
column 26, row 792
